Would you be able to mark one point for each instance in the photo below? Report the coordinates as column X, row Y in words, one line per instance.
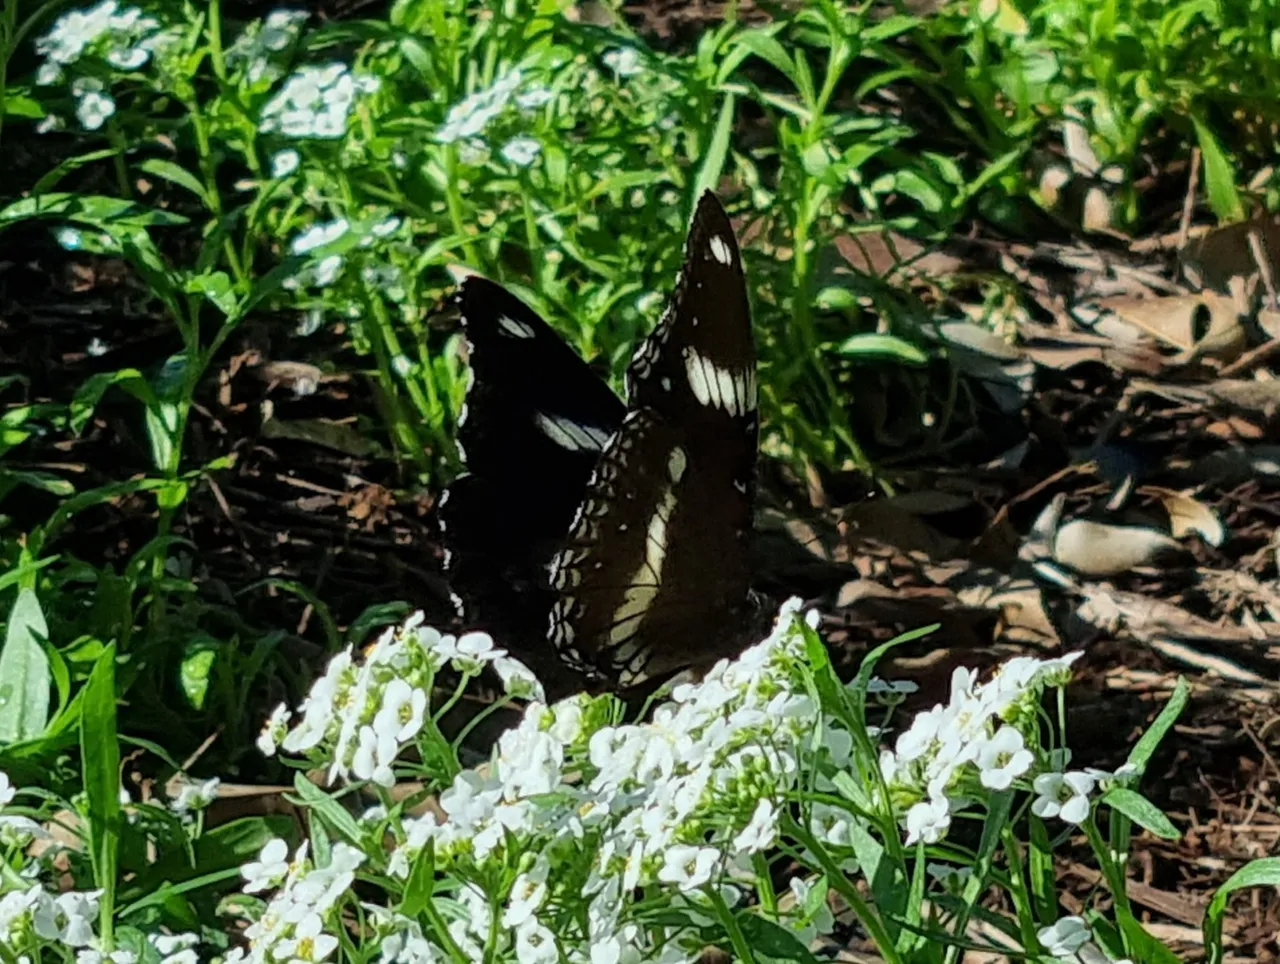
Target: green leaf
column 216, row 286
column 175, row 174
column 888, row 28
column 326, row 807
column 717, row 151
column 421, row 884
column 100, row 754
column 1143, row 946
column 1141, row 753
column 24, row 672
column 876, row 345
column 164, row 418
column 1256, row 873
column 50, row 180
column 90, row 393
column 194, row 672
column 772, row 943
column 92, row 209
column 764, row 45
column 1141, row 811
column 1219, row 178
column 19, row 105
column 218, row 855
column 44, row 481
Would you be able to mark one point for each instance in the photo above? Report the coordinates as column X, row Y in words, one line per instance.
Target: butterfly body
column 628, row 527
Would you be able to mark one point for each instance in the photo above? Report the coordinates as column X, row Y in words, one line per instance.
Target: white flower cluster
column 292, row 927
column 627, row 806
column 359, row 716
column 257, row 46
column 326, row 270
column 16, row 830
column 124, row 38
column 983, row 732
column 468, row 119
column 32, row 918
column 315, row 102
column 129, row 39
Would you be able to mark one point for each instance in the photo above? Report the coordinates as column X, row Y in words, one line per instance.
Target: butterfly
column 620, row 534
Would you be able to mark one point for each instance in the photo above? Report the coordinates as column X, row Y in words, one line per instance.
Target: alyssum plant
column 750, row 804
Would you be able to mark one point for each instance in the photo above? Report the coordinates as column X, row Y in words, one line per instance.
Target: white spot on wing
column 697, row 377
column 720, row 250
column 677, row 462
column 735, row 392
column 644, row 584
column 571, row 435
column 514, row 327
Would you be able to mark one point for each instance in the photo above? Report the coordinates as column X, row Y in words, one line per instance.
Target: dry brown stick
column 1189, row 202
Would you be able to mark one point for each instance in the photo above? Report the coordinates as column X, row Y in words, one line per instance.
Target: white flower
column 951, row 878
column 470, row 116
column 269, row 869
column 280, row 27
column 1065, row 937
column 528, row 894
column 1064, row 795
column 402, row 713
column 73, row 32
column 473, row 650
column 274, row 730
column 309, row 942
column 175, row 948
column 68, row 918
column 1003, row 758
column 535, row 944
column 195, row 796
column 7, row 792
column 50, row 122
column 625, row 61
column 327, row 270
column 48, row 73
column 128, row 58
column 314, row 102
column 319, row 234
column 533, row 99
column 385, row 227
column 517, row 679
column 688, row 867
column 521, row 151
column 759, row 834
column 20, row 831
column 93, row 109
column 929, row 820
column 284, row 163
column 375, row 752
column 91, row 956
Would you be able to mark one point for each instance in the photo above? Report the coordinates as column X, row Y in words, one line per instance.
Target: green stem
column 1018, row 889
column 862, row 910
column 741, row 947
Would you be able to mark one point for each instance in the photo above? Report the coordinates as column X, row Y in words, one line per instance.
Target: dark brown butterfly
column 624, row 530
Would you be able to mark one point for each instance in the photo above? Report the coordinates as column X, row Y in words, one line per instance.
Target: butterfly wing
column 535, row 421
column 654, row 575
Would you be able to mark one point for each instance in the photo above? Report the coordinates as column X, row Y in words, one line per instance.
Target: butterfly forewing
column 655, row 573
column 535, row 421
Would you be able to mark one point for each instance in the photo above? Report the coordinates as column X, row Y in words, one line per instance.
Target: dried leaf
column 1208, row 324
column 1188, row 514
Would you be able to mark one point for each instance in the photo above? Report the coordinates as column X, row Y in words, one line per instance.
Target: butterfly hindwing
column 535, row 421
column 654, row 574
